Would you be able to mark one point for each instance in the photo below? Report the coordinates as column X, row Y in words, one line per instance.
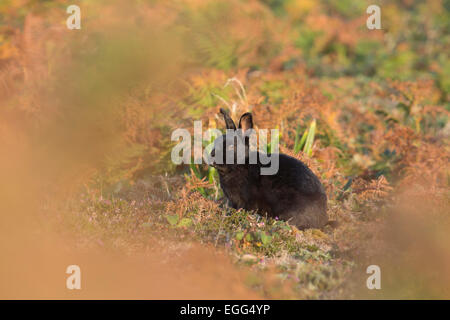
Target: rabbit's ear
column 246, row 121
column 228, row 121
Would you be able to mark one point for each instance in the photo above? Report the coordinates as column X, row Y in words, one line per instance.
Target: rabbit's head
column 232, row 148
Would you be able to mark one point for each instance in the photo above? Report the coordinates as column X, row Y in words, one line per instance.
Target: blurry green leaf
column 239, row 235
column 299, row 142
column 265, row 238
column 310, row 138
column 172, row 219
column 185, row 222
column 211, row 175
column 202, row 192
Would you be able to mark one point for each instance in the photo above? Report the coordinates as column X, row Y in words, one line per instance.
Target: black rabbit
column 293, row 194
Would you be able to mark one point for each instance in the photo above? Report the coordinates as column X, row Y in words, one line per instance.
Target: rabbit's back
column 294, row 193
column 294, row 175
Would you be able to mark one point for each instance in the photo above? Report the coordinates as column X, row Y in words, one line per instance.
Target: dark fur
column 294, row 194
